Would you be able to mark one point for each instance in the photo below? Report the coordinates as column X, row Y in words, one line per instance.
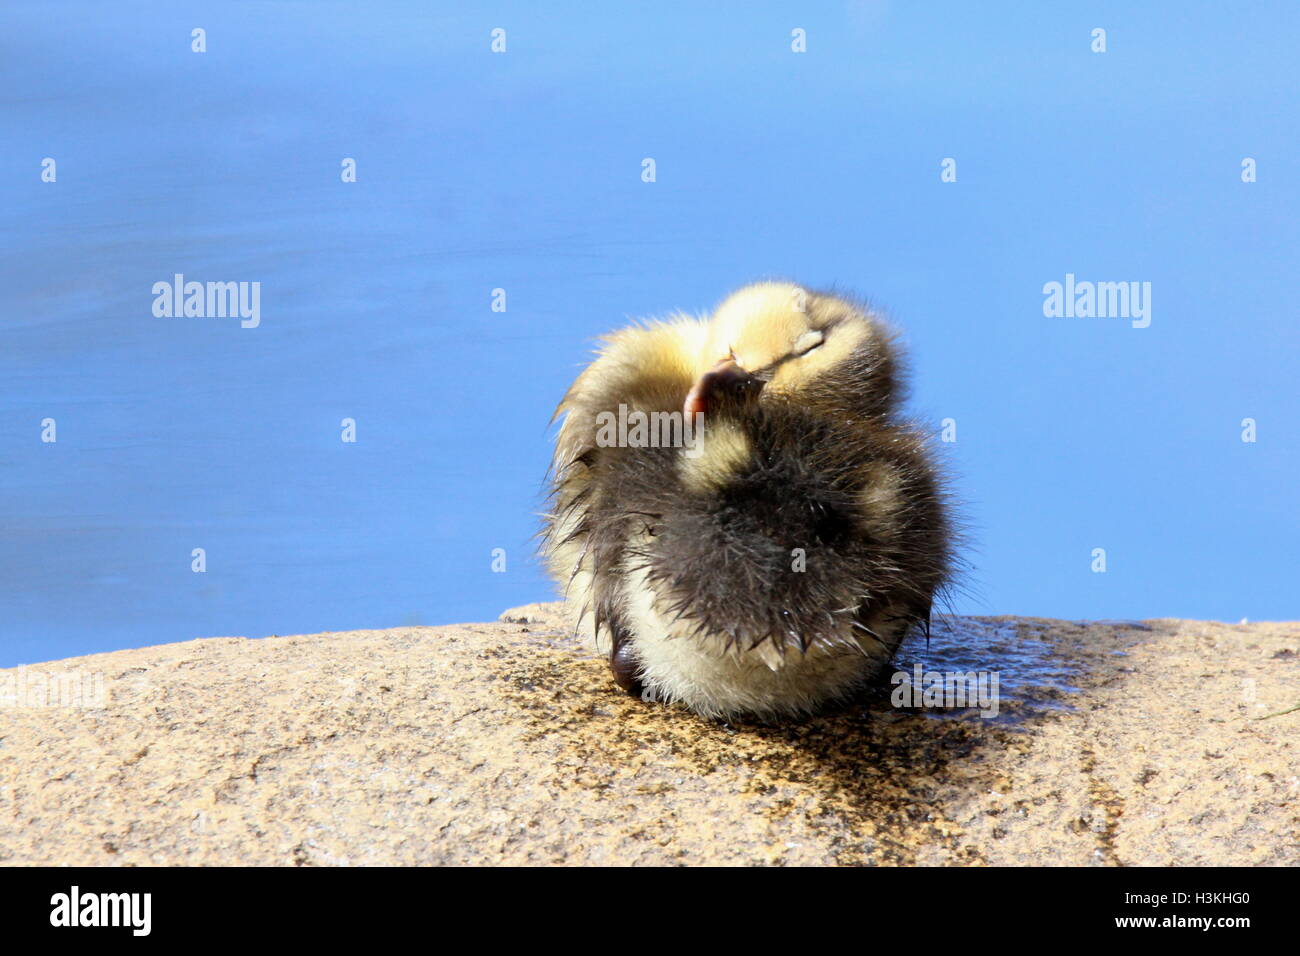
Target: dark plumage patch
column 782, row 551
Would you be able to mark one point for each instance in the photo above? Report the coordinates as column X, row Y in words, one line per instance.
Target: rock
column 1114, row 743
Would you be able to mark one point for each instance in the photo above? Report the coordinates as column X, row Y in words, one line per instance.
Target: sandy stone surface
column 505, row 743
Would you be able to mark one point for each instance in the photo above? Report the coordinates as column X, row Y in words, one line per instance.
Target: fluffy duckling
column 763, row 547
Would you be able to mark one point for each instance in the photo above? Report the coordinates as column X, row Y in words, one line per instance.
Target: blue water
column 521, row 171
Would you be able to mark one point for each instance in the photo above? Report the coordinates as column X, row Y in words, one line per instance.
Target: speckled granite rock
column 1116, row 743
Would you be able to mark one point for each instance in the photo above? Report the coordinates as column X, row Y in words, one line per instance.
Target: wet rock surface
column 1114, row 743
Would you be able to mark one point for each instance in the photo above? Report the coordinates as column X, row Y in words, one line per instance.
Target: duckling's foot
column 624, row 666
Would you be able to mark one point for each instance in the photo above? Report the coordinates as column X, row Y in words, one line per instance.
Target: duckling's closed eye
column 808, row 341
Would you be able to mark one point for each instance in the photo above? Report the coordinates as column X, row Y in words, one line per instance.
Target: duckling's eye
column 807, row 342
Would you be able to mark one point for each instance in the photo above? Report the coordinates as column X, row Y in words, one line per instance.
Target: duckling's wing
column 645, row 368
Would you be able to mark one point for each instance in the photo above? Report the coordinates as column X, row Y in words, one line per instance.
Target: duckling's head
column 775, row 339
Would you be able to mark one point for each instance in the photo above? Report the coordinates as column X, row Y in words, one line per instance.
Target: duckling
column 769, row 563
